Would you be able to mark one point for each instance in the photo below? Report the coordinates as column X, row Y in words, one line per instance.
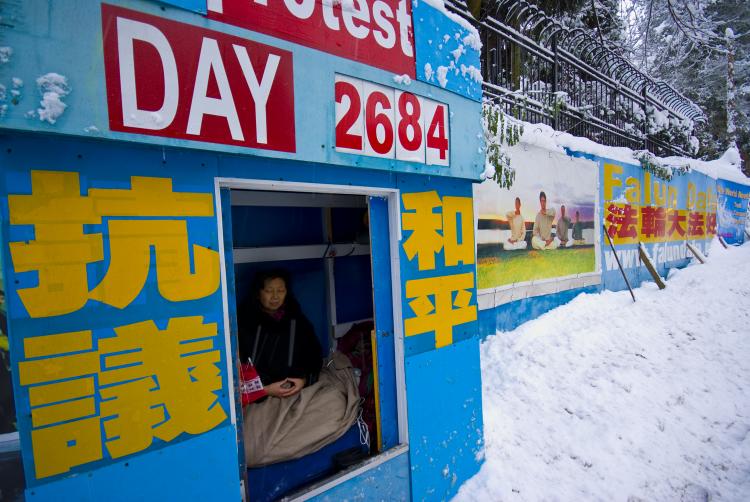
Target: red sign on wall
column 172, row 79
column 375, row 32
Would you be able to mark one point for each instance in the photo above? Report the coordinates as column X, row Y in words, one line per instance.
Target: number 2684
column 380, row 121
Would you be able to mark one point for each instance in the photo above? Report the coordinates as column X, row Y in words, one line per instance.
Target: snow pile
column 726, row 167
column 402, row 79
column 474, row 73
column 53, row 87
column 606, row 399
column 473, row 39
column 542, row 135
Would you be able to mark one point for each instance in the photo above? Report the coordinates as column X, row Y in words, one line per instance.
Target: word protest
column 375, row 32
column 171, row 79
column 379, row 121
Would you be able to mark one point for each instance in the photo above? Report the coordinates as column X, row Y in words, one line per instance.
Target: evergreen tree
column 684, row 43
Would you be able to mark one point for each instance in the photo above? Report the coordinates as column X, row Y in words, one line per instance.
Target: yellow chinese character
column 61, row 250
column 154, row 383
column 159, row 383
column 66, row 430
column 445, row 311
column 130, row 244
column 454, row 251
column 424, row 240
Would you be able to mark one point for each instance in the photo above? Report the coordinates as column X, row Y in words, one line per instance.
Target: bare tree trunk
column 731, row 91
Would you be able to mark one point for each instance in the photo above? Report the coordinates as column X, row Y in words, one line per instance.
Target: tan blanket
column 279, row 429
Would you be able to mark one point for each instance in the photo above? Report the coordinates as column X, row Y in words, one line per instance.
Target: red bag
column 251, row 388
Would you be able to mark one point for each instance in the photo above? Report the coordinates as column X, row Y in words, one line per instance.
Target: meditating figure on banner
column 563, row 226
column 306, row 407
column 578, row 231
column 517, row 238
column 542, row 233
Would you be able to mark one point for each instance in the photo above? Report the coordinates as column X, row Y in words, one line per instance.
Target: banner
column 732, row 210
column 640, row 208
column 543, row 228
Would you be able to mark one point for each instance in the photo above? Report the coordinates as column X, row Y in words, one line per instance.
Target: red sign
column 172, row 79
column 380, row 121
column 375, row 32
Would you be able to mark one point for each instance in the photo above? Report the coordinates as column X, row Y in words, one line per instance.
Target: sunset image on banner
column 542, row 227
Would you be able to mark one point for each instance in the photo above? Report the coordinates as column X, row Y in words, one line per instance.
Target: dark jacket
column 270, row 339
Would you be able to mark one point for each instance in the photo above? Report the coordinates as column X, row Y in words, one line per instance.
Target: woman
column 278, row 338
column 307, row 407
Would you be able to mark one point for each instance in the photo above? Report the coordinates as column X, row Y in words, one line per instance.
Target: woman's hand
column 285, row 388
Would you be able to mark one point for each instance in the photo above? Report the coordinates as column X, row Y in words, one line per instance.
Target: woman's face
column 273, row 294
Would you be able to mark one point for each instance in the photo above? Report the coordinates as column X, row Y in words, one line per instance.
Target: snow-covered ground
column 604, row 399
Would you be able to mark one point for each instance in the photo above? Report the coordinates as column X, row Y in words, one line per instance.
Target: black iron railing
column 541, row 72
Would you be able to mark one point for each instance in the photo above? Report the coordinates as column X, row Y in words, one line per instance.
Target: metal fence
column 541, row 72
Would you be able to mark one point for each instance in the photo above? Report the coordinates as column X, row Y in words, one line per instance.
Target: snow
column 5, row 54
column 606, row 399
column 442, row 75
column 472, row 40
column 658, row 120
column 428, row 72
column 473, row 72
column 726, row 167
column 53, row 87
column 466, row 25
column 458, row 52
column 402, row 79
column 3, row 97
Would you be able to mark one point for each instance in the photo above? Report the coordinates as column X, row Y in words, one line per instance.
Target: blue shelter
column 155, row 155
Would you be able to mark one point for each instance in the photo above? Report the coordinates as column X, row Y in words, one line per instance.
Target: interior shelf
column 281, row 253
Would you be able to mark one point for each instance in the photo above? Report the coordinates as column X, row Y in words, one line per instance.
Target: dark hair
column 518, row 199
column 542, row 194
column 263, row 276
column 259, row 282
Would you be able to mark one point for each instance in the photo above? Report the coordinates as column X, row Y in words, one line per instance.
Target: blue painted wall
column 184, row 469
column 455, row 366
column 388, row 481
column 200, row 454
column 193, row 5
column 447, row 51
column 445, row 419
column 509, row 316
